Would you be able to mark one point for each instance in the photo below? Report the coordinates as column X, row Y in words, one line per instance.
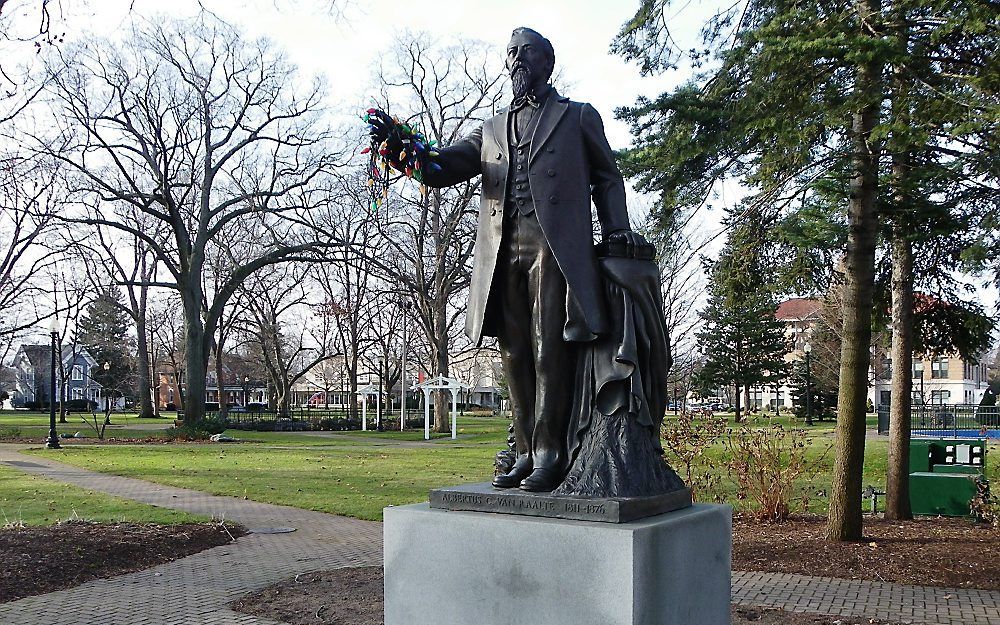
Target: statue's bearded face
column 528, row 63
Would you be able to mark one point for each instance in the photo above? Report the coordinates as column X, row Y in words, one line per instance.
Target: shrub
column 339, row 424
column 985, row 507
column 687, row 438
column 257, row 425
column 197, row 430
column 767, row 463
column 81, row 405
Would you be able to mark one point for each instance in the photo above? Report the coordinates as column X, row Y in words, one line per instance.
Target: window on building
column 78, row 393
column 77, row 373
column 886, row 372
column 939, row 398
column 939, row 368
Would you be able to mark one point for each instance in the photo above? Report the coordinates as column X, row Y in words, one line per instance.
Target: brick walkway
column 844, row 597
column 195, row 590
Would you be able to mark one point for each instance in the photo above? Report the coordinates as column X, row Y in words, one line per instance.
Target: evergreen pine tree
column 743, row 343
column 104, row 331
column 876, row 104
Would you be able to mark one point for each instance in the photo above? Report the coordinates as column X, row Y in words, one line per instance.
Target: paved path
column 195, row 590
column 844, row 597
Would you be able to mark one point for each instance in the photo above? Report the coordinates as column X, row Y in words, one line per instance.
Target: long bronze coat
column 570, row 163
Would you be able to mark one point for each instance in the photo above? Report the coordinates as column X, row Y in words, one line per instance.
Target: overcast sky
column 344, row 44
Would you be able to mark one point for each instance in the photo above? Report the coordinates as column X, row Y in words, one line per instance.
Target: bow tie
column 529, row 99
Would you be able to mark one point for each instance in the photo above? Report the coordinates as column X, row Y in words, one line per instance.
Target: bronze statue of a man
column 536, row 285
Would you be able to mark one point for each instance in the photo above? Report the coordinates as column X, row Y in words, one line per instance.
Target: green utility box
column 945, row 475
column 945, row 494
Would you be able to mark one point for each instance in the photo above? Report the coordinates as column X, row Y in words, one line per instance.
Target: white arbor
column 441, row 382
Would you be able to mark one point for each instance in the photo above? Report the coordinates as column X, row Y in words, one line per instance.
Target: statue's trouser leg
column 538, row 363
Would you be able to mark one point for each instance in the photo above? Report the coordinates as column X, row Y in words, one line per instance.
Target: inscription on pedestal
column 485, row 498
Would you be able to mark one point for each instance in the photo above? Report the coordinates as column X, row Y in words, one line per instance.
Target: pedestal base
column 484, row 497
column 457, row 568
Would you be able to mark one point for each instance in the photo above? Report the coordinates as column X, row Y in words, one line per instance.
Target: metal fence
column 945, row 419
column 314, row 419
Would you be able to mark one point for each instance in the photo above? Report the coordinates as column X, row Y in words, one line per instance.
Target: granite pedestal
column 445, row 567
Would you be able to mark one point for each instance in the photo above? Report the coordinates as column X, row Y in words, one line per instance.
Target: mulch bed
column 38, row 560
column 354, row 597
column 953, row 553
column 927, row 552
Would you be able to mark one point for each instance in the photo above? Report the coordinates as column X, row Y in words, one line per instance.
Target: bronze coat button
column 551, row 173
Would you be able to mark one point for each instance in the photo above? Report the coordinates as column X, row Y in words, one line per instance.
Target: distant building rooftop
column 798, row 308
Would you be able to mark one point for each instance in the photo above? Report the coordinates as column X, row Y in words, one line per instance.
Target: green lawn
column 33, row 500
column 354, row 481
column 41, row 419
column 359, row 473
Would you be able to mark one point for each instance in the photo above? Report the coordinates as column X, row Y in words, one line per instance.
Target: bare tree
column 428, row 236
column 202, row 131
column 26, row 27
column 29, row 198
column 682, row 282
column 166, row 339
column 349, row 288
column 384, row 341
column 71, row 291
column 129, row 265
column 287, row 350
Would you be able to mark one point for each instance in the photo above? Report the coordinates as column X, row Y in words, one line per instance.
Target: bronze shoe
column 541, row 480
column 517, row 473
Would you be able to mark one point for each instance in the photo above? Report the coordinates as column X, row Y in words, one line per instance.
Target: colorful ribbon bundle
column 413, row 159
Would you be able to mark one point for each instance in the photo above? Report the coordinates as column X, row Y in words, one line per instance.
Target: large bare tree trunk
column 195, row 360
column 845, row 521
column 897, row 488
column 142, row 365
column 442, row 398
column 220, row 377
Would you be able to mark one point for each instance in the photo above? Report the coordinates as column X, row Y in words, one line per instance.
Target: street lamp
column 107, row 404
column 807, row 348
column 53, row 440
column 246, row 391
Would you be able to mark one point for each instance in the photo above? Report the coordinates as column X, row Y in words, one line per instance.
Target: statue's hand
column 379, row 125
column 629, row 238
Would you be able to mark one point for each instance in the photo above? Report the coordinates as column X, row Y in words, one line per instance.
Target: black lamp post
column 107, row 404
column 807, row 348
column 53, row 440
column 246, row 391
